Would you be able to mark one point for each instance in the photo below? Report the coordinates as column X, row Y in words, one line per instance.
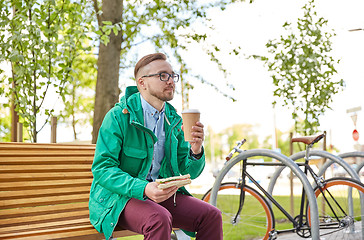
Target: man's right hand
column 158, row 195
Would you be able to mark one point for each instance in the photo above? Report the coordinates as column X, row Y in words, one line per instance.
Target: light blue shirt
column 154, row 120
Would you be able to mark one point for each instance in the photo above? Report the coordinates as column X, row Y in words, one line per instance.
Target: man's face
column 153, row 86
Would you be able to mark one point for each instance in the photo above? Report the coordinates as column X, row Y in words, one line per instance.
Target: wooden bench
column 44, row 192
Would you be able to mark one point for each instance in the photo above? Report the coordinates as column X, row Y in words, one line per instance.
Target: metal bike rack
column 346, row 155
column 357, row 170
column 359, row 167
column 288, row 162
column 332, row 158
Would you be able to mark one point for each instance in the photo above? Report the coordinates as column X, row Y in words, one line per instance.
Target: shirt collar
column 149, row 109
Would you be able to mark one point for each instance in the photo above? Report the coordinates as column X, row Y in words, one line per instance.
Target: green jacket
column 123, row 157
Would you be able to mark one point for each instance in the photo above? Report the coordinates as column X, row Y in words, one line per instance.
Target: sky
column 251, row 26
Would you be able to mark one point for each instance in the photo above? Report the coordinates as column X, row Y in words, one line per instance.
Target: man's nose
column 170, row 81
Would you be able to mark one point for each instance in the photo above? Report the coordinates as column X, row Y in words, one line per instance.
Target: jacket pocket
column 100, row 204
column 132, row 160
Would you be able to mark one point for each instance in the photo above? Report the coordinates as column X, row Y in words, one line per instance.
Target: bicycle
column 250, row 208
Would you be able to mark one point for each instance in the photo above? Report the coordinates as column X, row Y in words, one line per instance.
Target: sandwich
column 178, row 181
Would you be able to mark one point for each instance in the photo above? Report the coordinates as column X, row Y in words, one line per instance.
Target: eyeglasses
column 164, row 77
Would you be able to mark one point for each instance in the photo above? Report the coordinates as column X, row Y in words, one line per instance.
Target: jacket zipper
column 170, row 160
column 170, row 149
column 170, row 154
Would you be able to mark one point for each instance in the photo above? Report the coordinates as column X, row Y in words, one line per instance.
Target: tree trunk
column 14, row 114
column 107, row 87
column 73, row 114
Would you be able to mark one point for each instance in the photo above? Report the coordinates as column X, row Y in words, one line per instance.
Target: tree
column 107, row 89
column 41, row 40
column 169, row 26
column 218, row 145
column 238, row 132
column 4, row 125
column 303, row 70
column 284, row 142
column 79, row 93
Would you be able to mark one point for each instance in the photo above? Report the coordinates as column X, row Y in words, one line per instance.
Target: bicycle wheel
column 336, row 221
column 255, row 219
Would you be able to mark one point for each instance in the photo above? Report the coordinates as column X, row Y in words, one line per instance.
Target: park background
column 251, row 26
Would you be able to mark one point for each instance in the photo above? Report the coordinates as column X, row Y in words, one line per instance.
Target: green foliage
column 171, row 27
column 213, row 145
column 5, row 120
column 303, row 70
column 220, row 144
column 41, row 40
column 238, row 132
column 284, row 142
column 79, row 97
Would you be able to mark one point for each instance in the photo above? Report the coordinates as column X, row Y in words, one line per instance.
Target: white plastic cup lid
column 191, row 111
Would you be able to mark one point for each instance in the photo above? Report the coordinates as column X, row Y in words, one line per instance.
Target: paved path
column 294, row 236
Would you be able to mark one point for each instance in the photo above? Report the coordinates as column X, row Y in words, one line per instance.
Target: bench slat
column 16, row 186
column 46, row 146
column 38, row 199
column 50, row 168
column 36, row 152
column 46, row 160
column 11, row 177
column 72, row 233
column 55, row 218
column 79, row 232
column 49, row 209
column 30, row 202
column 33, row 193
column 49, row 227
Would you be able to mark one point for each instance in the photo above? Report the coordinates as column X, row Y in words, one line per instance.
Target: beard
column 166, row 95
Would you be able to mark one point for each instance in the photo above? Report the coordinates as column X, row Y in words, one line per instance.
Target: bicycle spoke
column 334, row 222
column 254, row 217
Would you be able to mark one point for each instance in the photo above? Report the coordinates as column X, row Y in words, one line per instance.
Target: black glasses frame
column 174, row 76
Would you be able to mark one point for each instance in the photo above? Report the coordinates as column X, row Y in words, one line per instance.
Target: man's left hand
column 198, row 138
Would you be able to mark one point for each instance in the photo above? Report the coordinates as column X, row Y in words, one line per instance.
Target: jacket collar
column 131, row 100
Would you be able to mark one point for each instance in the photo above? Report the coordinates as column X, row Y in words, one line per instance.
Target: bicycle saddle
column 309, row 139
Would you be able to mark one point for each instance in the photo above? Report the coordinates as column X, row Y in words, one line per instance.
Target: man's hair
column 146, row 60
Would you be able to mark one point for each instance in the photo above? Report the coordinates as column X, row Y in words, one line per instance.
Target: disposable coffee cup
column 189, row 118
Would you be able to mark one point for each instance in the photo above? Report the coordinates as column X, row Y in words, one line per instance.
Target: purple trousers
column 155, row 220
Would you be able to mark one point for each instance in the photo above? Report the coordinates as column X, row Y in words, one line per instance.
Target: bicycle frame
column 297, row 224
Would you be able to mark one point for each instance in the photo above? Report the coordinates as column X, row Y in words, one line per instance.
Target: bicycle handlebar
column 235, row 149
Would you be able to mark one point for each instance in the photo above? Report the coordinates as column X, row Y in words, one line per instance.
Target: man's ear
column 141, row 83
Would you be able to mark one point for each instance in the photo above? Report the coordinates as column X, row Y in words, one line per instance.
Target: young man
column 140, row 140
